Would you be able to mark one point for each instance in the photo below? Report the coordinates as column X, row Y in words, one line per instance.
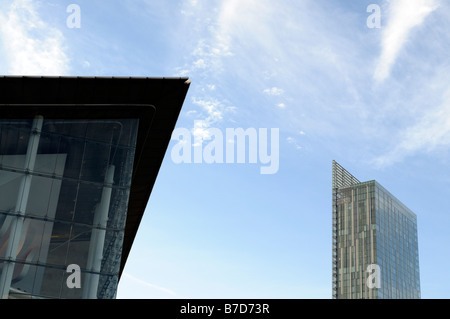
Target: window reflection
column 374, row 227
column 72, row 208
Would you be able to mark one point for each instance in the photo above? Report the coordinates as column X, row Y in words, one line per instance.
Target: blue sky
column 377, row 100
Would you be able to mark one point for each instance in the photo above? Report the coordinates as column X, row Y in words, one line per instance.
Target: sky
column 364, row 83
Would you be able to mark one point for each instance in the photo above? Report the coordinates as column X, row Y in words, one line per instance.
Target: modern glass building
column 375, row 247
column 78, row 160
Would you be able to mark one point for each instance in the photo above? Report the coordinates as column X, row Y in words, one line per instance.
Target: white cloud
column 182, row 72
column 200, row 132
column 191, row 112
column 150, row 285
column 273, row 91
column 428, row 134
column 188, row 7
column 214, row 110
column 293, row 141
column 32, row 46
column 404, row 15
column 314, row 60
column 86, row 64
column 213, row 107
column 209, row 52
column 200, row 64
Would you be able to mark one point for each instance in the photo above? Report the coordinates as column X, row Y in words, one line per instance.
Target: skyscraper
column 375, row 247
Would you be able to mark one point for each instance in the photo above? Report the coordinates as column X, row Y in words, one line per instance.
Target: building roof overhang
column 156, row 102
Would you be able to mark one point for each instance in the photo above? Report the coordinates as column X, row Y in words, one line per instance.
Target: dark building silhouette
column 78, row 160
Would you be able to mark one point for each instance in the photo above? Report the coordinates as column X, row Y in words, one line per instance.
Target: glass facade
column 396, row 247
column 372, row 227
column 64, row 189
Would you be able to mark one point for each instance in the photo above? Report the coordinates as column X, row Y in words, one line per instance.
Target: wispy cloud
column 215, row 111
column 32, row 47
column 430, row 133
column 213, row 107
column 293, row 141
column 403, row 16
column 306, row 64
column 418, row 113
column 274, row 91
column 150, row 285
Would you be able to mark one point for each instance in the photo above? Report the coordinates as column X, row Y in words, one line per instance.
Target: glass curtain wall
column 64, row 189
column 356, row 240
column 397, row 248
column 375, row 228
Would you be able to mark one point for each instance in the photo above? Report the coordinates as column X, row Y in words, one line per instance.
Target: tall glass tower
column 375, row 247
